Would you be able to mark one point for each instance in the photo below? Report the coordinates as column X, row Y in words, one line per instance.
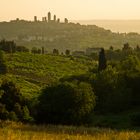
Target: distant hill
column 121, row 26
column 63, row 36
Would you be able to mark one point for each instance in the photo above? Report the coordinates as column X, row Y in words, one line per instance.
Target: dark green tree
column 34, row 50
column 102, row 60
column 39, row 51
column 11, row 95
column 3, row 66
column 111, row 48
column 66, row 103
column 111, row 90
column 67, row 52
column 55, row 52
column 43, row 50
column 126, row 47
column 8, row 46
column 12, row 103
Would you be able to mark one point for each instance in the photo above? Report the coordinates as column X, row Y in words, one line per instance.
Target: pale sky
column 72, row 9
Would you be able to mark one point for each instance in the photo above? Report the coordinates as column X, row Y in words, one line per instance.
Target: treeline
column 113, row 54
column 11, row 47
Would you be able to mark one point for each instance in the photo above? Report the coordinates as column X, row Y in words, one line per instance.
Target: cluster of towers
column 49, row 19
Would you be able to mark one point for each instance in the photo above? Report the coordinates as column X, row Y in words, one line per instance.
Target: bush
column 3, row 112
column 3, row 66
column 12, row 116
column 111, row 90
column 12, row 104
column 26, row 115
column 66, row 103
column 135, row 119
column 11, row 95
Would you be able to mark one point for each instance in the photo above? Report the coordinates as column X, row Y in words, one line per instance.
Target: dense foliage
column 13, row 106
column 66, row 103
column 102, row 60
column 3, row 66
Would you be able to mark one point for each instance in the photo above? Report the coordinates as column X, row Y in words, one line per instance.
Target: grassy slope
column 14, row 131
column 31, row 72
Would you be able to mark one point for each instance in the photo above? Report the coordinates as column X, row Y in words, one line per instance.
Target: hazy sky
column 72, row 9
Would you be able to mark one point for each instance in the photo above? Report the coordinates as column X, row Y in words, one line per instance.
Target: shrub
column 3, row 66
column 3, row 112
column 66, row 103
column 135, row 119
column 12, row 104
column 12, row 116
column 26, row 115
column 111, row 90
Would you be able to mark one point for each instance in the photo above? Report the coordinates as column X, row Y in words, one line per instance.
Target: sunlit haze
column 72, row 9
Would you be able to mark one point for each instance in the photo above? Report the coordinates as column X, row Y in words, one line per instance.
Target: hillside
column 37, row 74
column 63, row 36
column 31, row 72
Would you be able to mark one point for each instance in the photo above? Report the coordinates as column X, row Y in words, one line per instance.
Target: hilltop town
column 53, row 33
column 47, row 19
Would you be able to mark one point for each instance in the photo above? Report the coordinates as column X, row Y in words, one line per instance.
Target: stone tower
column 54, row 18
column 49, row 17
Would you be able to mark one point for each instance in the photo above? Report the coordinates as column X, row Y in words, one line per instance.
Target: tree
column 67, row 52
column 130, row 64
column 8, row 46
column 126, row 47
column 111, row 48
column 55, row 52
column 66, row 103
column 34, row 50
column 137, row 48
column 111, row 90
column 11, row 95
column 39, row 51
column 26, row 115
column 3, row 66
column 12, row 103
column 102, row 60
column 43, row 50
column 22, row 49
column 66, row 20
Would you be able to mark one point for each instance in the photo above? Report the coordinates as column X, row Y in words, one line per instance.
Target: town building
column 35, row 18
column 90, row 51
column 78, row 53
column 49, row 17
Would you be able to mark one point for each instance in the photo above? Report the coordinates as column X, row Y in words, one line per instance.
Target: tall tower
column 66, row 20
column 45, row 18
column 49, row 16
column 54, row 18
column 42, row 18
column 35, row 18
column 58, row 20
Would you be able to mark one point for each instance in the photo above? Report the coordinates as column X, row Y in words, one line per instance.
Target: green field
column 31, row 72
column 47, row 66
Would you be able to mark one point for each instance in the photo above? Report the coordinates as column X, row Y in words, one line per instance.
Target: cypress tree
column 3, row 66
column 102, row 60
